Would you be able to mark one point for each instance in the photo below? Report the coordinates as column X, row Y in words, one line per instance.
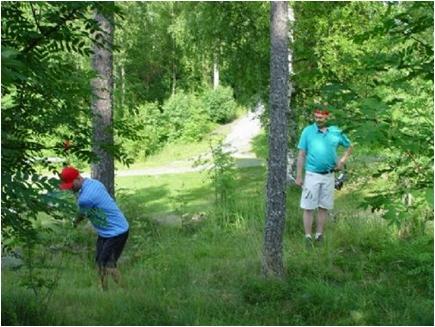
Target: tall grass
column 363, row 274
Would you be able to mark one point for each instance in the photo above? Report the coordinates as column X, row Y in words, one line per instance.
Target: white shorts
column 318, row 191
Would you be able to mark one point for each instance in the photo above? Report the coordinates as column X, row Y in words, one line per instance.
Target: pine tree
column 277, row 164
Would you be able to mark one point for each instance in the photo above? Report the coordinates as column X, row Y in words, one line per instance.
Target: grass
column 166, row 193
column 180, row 154
column 209, row 274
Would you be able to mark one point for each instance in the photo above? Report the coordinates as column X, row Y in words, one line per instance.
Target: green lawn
column 210, row 273
column 180, row 154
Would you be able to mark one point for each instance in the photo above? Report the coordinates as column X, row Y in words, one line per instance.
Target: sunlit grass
column 181, row 154
column 211, row 274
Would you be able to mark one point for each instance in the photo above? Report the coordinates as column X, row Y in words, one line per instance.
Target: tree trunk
column 122, row 87
column 102, row 105
column 215, row 70
column 174, row 77
column 292, row 126
column 278, row 130
column 174, row 54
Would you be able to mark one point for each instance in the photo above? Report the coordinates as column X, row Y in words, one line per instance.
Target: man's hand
column 340, row 165
column 78, row 220
column 298, row 181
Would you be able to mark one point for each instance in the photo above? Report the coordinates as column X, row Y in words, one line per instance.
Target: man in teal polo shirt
column 318, row 155
column 96, row 204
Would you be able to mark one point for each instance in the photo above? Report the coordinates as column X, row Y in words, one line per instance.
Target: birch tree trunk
column 215, row 70
column 278, row 131
column 292, row 153
column 174, row 54
column 122, row 86
column 102, row 105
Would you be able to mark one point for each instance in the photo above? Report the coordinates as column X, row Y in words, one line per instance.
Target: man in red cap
column 318, row 155
column 98, row 206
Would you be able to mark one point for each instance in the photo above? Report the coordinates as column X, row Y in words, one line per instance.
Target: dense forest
column 105, row 86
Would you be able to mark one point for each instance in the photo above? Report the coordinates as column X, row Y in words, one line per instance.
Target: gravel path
column 238, row 141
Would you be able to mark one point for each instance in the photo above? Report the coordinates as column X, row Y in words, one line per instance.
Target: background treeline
column 181, row 67
column 372, row 64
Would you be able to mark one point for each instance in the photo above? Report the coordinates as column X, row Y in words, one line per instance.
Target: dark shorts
column 109, row 249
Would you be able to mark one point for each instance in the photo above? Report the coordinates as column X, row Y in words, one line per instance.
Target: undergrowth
column 364, row 273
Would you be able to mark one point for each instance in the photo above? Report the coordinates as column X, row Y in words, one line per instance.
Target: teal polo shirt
column 96, row 203
column 321, row 147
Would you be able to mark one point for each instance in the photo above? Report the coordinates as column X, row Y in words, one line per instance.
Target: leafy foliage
column 150, row 60
column 45, row 104
column 220, row 104
column 186, row 117
column 371, row 63
column 181, row 43
column 150, row 130
column 40, row 92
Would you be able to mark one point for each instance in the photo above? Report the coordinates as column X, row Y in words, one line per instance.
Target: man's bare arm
column 343, row 159
column 300, row 167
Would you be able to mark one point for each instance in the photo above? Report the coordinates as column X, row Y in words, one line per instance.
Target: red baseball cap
column 67, row 176
column 323, row 112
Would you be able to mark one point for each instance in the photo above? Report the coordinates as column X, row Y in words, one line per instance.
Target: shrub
column 186, row 117
column 220, row 104
column 222, row 172
column 150, row 130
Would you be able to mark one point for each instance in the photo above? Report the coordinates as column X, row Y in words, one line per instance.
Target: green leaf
column 430, row 196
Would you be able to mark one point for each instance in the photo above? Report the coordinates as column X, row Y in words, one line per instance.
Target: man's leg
column 117, row 246
column 308, row 221
column 321, row 220
column 114, row 272
column 101, row 253
column 103, row 278
column 309, row 200
column 326, row 201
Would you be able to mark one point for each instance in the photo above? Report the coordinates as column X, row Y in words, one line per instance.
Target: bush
column 220, row 104
column 223, row 174
column 151, row 130
column 186, row 117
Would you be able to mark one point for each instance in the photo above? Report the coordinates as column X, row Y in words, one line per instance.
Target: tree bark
column 174, row 54
column 122, row 87
column 102, row 105
column 278, row 131
column 292, row 125
column 215, row 70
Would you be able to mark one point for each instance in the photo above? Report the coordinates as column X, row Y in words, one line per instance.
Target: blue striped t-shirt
column 96, row 203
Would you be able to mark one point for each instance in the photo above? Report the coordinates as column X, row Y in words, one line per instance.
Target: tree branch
column 50, row 31
column 34, row 17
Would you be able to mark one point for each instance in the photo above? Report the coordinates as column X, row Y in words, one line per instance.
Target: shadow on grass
column 252, row 180
column 249, row 162
column 149, row 201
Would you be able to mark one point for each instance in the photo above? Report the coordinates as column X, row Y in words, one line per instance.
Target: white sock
column 318, row 234
column 307, row 235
